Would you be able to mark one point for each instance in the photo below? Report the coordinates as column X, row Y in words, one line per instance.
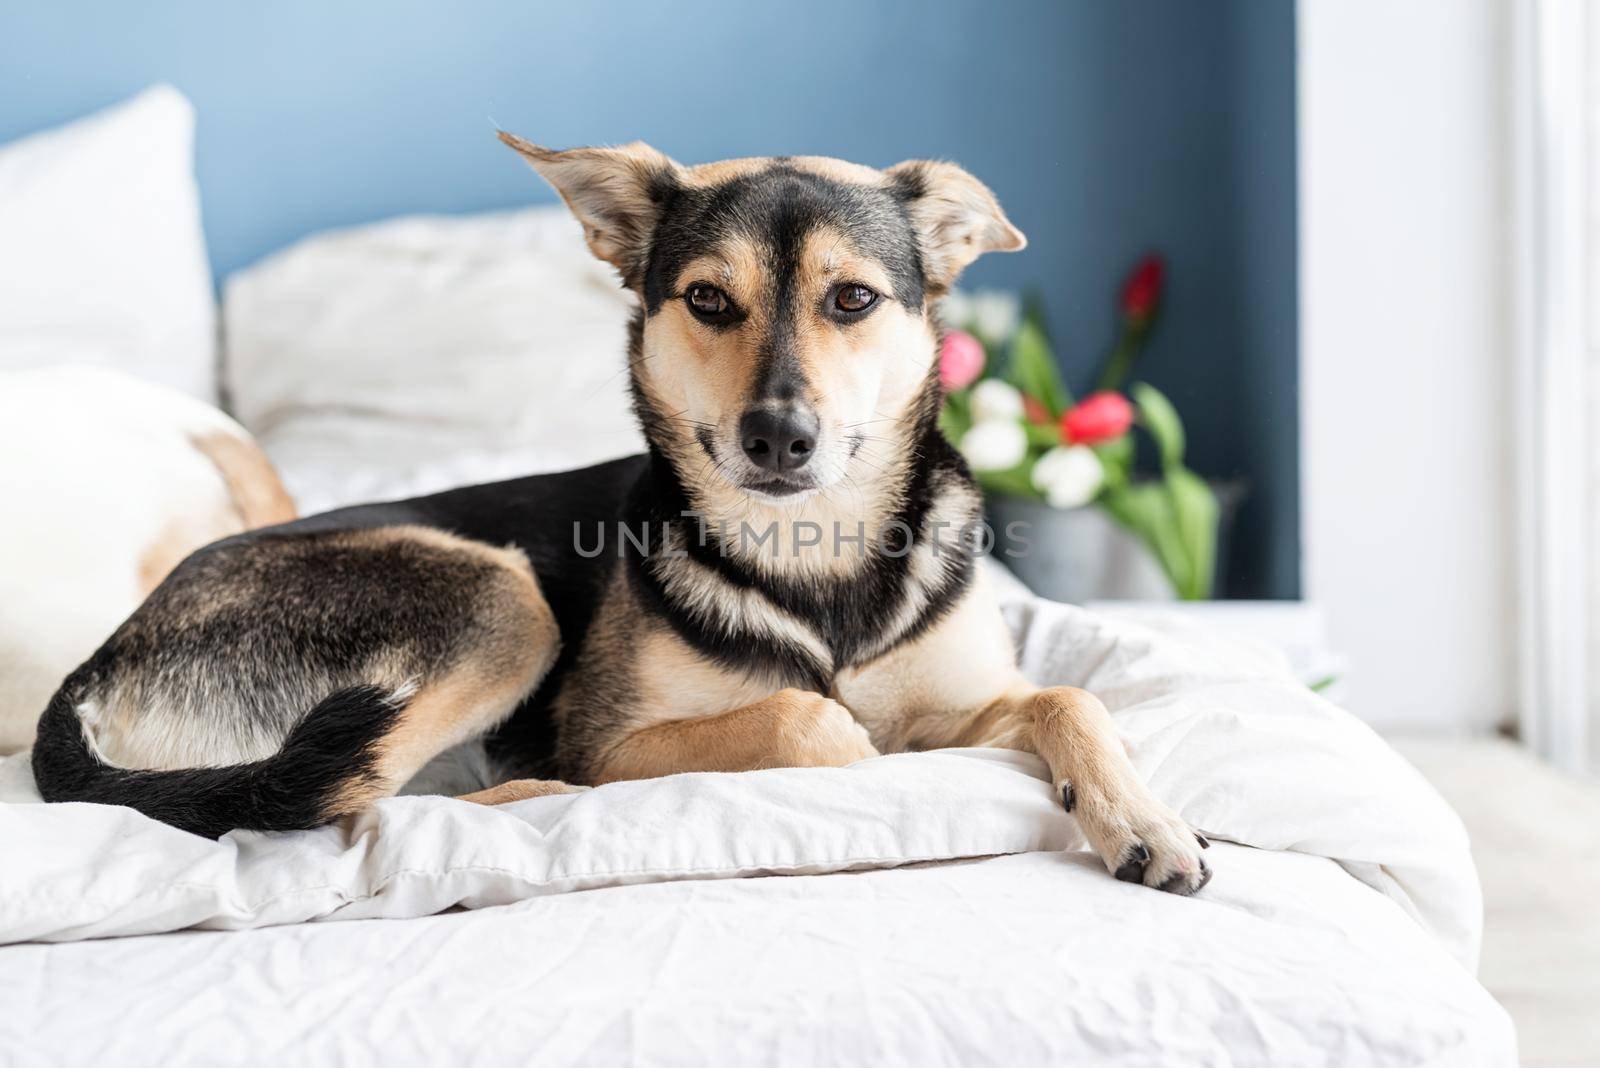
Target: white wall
column 1405, row 336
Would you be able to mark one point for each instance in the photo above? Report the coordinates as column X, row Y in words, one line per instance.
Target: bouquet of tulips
column 1009, row 412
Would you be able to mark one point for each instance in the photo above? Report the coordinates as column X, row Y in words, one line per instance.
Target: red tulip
column 960, row 360
column 1142, row 291
column 1098, row 417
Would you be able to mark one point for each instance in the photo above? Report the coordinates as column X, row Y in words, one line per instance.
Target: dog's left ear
column 616, row 193
column 956, row 217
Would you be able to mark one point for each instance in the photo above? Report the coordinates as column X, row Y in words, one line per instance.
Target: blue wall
column 1107, row 128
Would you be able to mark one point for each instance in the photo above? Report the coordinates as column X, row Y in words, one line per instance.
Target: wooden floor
column 1536, row 838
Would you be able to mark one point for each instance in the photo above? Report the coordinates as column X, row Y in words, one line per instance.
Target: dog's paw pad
column 1131, row 870
column 1068, row 798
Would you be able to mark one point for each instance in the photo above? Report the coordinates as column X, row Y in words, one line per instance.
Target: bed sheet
column 1029, row 959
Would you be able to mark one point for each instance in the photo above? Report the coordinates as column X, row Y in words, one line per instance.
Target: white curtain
column 1555, row 91
column 1589, row 743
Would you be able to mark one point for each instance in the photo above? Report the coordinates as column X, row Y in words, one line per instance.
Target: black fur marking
column 778, row 374
column 333, row 747
column 662, row 187
column 707, row 440
column 910, row 183
column 778, row 208
column 657, row 503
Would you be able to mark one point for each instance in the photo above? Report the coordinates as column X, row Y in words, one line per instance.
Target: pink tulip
column 960, row 360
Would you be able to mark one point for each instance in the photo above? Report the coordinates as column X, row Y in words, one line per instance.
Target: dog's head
column 786, row 331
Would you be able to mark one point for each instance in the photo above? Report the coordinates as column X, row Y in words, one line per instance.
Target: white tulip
column 994, row 400
column 1068, row 476
column 996, row 314
column 956, row 310
column 995, row 445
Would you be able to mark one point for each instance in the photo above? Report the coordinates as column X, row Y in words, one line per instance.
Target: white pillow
column 380, row 350
column 102, row 260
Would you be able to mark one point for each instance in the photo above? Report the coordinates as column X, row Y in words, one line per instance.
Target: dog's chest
column 802, row 629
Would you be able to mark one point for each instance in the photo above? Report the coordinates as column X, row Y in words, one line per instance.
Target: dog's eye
column 854, row 298
column 707, row 301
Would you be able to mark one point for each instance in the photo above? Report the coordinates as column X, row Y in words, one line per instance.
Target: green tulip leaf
column 1116, row 456
column 1042, row 435
column 1194, row 509
column 1160, row 418
column 1145, row 510
column 1176, row 516
column 1032, row 369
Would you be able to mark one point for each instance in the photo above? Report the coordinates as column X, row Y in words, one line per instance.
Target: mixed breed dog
column 782, row 364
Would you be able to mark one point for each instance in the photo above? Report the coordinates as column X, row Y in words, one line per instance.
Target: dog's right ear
column 616, row 193
column 956, row 217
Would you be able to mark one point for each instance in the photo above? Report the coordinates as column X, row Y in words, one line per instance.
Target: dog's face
column 786, row 327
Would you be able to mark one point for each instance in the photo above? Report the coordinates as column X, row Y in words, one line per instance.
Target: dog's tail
column 329, row 756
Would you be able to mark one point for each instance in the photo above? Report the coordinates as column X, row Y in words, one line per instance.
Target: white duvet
column 633, row 925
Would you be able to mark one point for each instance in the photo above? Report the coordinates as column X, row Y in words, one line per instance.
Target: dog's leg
column 520, row 790
column 518, row 641
column 1140, row 839
column 957, row 685
column 791, row 728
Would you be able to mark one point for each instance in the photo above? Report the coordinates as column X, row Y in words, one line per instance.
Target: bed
column 919, row 909
column 911, row 909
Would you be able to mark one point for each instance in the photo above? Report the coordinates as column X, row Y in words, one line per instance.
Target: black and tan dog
column 787, row 577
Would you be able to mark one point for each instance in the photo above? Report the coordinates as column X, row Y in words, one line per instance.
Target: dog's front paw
column 1141, row 840
column 816, row 731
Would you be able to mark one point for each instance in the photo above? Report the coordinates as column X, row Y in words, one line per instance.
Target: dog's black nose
column 778, row 440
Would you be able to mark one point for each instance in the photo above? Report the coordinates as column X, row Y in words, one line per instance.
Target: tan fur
column 709, row 174
column 519, row 790
column 790, row 729
column 608, row 190
column 676, row 682
column 258, row 494
column 958, row 220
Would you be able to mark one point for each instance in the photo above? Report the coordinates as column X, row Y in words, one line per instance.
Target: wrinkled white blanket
column 1222, row 732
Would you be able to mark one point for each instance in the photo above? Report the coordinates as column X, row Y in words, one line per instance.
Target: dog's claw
column 1068, row 798
column 1205, row 843
column 1132, row 869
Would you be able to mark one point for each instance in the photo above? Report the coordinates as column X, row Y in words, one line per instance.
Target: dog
column 783, row 368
